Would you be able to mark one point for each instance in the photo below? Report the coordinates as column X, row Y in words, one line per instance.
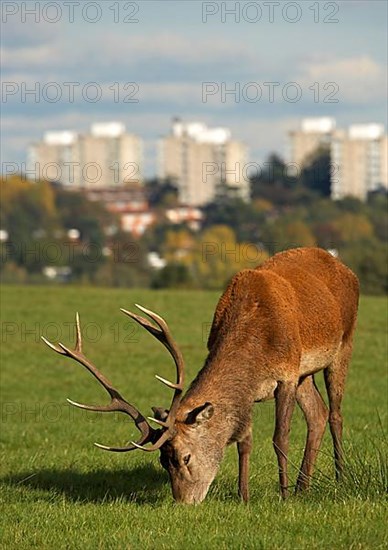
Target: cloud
column 358, row 4
column 26, row 57
column 173, row 46
column 170, row 68
column 360, row 79
column 177, row 93
column 17, row 35
column 164, row 56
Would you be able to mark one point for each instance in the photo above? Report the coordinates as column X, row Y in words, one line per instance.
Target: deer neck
column 231, row 396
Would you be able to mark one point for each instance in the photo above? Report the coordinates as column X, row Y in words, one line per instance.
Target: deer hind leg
column 335, row 375
column 244, row 448
column 285, row 402
column 316, row 414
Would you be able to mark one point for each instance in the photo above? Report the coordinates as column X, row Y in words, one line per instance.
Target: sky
column 144, row 62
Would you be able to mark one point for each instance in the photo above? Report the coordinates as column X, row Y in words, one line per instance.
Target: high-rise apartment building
column 359, row 158
column 55, row 158
column 203, row 162
column 313, row 133
column 106, row 157
column 358, row 155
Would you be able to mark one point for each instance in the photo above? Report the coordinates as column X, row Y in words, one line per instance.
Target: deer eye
column 186, row 459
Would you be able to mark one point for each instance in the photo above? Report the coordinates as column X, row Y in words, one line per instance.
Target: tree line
column 38, row 222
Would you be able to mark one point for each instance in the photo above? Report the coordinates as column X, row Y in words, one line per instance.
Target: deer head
column 190, row 458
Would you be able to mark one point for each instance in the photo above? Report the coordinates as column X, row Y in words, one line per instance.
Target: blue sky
column 171, row 51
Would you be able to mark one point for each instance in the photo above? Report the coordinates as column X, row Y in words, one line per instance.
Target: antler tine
column 163, row 334
column 133, row 446
column 117, row 403
column 159, row 443
column 78, row 344
column 167, row 339
column 158, row 422
column 116, row 449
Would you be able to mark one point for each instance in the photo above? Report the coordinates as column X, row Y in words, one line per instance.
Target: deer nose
column 191, row 498
column 181, row 498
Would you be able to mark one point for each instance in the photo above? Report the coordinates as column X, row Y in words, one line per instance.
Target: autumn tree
column 219, row 256
column 28, row 214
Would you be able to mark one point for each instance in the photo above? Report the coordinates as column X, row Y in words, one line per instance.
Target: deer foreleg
column 285, row 401
column 244, row 448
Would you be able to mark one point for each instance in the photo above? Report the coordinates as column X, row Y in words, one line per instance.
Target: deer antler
column 163, row 334
column 118, row 403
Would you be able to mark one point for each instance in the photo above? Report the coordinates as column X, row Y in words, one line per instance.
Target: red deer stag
column 274, row 327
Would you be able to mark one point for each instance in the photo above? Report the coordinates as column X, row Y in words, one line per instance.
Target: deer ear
column 200, row 414
column 160, row 413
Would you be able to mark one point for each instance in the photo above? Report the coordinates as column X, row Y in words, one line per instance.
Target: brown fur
column 274, row 327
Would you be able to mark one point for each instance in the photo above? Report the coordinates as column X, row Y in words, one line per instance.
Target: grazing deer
column 274, row 327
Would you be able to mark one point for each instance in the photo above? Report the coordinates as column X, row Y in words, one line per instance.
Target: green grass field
column 59, row 491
